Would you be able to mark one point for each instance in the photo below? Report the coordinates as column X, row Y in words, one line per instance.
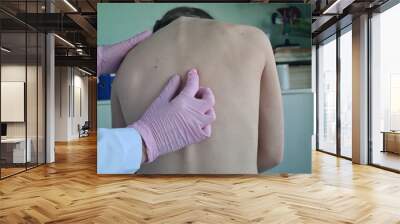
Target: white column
column 50, row 92
column 360, row 90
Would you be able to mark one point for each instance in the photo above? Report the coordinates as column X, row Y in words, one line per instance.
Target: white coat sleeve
column 119, row 151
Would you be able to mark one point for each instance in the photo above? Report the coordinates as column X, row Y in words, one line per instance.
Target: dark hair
column 175, row 13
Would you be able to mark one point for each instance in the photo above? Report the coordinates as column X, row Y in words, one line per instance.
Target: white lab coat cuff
column 119, row 151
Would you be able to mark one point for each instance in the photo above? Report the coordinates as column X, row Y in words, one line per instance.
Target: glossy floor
column 70, row 191
column 387, row 159
column 5, row 172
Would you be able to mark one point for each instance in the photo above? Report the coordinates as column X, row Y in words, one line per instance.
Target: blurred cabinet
column 391, row 142
column 294, row 68
column 13, row 150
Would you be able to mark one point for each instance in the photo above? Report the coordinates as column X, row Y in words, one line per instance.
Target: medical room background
column 290, row 36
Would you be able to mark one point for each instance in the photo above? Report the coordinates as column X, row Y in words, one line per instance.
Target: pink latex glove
column 109, row 57
column 174, row 121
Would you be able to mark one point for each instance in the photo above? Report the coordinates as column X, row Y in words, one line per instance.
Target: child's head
column 175, row 13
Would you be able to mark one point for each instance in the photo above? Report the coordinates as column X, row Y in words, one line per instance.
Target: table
column 391, row 141
column 16, row 147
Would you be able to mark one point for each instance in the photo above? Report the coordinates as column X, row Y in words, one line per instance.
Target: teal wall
column 104, row 114
column 298, row 118
column 116, row 22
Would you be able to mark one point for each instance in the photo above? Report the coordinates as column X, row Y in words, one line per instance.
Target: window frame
column 333, row 37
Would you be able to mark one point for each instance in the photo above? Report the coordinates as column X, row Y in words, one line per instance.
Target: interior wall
column 145, row 15
column 80, row 109
column 62, row 81
column 71, row 87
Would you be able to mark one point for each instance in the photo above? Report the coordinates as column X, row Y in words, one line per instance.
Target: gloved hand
column 109, row 57
column 174, row 121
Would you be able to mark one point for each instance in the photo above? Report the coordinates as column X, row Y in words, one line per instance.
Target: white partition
column 12, row 101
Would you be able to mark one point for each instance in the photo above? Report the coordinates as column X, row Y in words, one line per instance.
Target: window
column 385, row 89
column 346, row 92
column 22, row 77
column 327, row 96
